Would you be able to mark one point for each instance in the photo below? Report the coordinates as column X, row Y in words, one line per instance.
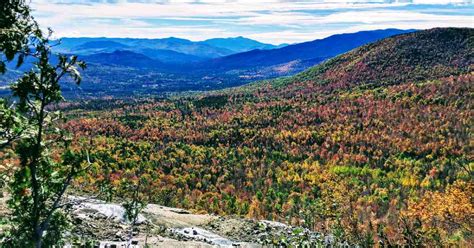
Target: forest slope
column 416, row 56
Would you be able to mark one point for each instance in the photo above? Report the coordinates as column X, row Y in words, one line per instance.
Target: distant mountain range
column 184, row 50
column 172, row 64
column 211, row 56
column 318, row 50
column 123, row 58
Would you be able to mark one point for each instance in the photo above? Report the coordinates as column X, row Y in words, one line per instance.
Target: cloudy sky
column 267, row 21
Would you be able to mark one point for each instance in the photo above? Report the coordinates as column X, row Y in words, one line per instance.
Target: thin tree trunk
column 37, row 232
column 38, row 239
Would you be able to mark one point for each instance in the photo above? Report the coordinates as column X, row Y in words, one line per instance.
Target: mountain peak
column 237, row 44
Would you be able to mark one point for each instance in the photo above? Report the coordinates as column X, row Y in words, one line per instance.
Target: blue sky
column 267, row 21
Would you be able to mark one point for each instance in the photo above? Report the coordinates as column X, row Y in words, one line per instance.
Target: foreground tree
column 16, row 28
column 29, row 128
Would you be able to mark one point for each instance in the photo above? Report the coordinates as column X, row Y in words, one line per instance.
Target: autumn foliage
column 376, row 157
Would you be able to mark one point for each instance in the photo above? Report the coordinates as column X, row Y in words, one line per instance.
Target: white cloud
column 374, row 16
column 268, row 21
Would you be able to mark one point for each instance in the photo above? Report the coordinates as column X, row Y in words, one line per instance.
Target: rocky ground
column 100, row 224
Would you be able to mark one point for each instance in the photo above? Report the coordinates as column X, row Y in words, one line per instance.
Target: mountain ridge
column 319, row 48
column 205, row 48
column 123, row 58
column 239, row 44
column 426, row 54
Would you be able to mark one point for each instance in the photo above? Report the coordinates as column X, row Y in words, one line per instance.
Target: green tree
column 134, row 187
column 29, row 128
column 17, row 26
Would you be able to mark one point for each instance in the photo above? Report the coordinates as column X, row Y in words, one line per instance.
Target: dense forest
column 373, row 146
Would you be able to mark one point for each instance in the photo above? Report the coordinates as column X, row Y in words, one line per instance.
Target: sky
column 269, row 21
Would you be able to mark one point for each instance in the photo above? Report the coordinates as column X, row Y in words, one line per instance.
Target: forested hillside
column 373, row 146
column 408, row 57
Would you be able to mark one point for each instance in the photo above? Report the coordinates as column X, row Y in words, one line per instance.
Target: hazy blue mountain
column 100, row 45
column 169, row 56
column 211, row 48
column 177, row 45
column 70, row 45
column 318, row 49
column 67, row 45
column 239, row 44
column 123, row 58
